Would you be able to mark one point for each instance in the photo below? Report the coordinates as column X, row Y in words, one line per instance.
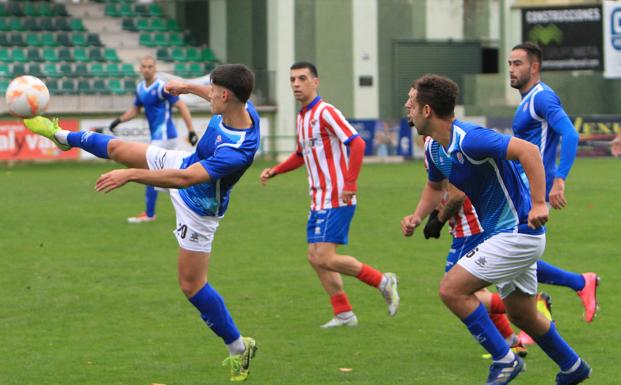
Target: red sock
column 340, row 303
column 502, row 324
column 370, row 276
column 497, row 306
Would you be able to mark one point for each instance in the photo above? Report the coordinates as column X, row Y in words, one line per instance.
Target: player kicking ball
column 199, row 184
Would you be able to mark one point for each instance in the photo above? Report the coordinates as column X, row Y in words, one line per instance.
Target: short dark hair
column 534, row 52
column 305, row 64
column 236, row 78
column 439, row 92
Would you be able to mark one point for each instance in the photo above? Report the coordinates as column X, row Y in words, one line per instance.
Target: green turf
column 87, row 299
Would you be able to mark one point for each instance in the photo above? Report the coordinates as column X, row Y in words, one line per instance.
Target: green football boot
column 47, row 128
column 240, row 363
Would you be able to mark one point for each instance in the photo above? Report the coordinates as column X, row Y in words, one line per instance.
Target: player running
column 480, row 162
column 199, row 184
column 323, row 135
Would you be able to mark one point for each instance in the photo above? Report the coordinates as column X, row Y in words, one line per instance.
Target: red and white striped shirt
column 323, row 132
column 465, row 222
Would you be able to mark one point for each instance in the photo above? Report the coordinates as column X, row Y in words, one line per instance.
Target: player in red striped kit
column 323, row 135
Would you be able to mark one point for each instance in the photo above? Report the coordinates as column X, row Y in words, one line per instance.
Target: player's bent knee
column 190, row 287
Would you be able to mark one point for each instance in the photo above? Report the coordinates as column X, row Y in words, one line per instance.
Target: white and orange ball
column 27, row 96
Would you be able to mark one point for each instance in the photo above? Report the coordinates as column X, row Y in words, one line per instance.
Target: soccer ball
column 27, row 96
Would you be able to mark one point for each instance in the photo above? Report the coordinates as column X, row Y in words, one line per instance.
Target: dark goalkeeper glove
column 434, row 226
column 113, row 125
column 193, row 138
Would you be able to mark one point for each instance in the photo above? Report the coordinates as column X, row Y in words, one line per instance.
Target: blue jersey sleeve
column 548, row 106
column 484, row 143
column 225, row 161
column 137, row 101
column 433, row 173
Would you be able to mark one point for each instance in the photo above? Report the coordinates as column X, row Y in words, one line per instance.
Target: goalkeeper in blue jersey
column 199, row 184
column 541, row 120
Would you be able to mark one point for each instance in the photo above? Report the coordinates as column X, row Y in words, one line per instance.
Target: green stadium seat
column 127, row 10
column 17, row 40
column 5, row 24
column 193, row 54
column 5, row 70
column 175, row 39
column 113, row 70
column 116, row 86
column 210, row 67
column 31, row 24
column 77, row 25
column 65, row 54
column 52, row 86
column 129, row 25
column 45, row 9
column 172, row 25
column 50, row 55
column 66, row 69
column 146, row 40
column 143, row 25
column 158, row 24
column 34, row 69
column 94, row 54
column 93, row 40
column 188, row 39
column 208, row 55
column 33, row 40
column 4, row 84
column 178, row 54
column 129, row 84
column 196, row 69
column 112, row 10
column 15, row 9
column 78, row 39
column 17, row 24
column 141, row 10
column 67, row 87
column 180, row 69
column 99, row 86
column 63, row 39
column 4, row 40
column 97, row 70
column 111, row 55
column 3, row 11
column 19, row 69
column 128, row 70
column 30, row 9
column 155, row 10
column 80, row 54
column 81, row 70
column 33, row 54
column 51, row 70
column 62, row 24
column 160, row 40
column 5, row 55
column 60, row 10
column 19, row 55
column 48, row 24
column 49, row 40
column 162, row 53
column 84, row 87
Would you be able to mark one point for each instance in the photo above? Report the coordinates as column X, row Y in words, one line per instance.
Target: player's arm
column 548, row 106
column 167, row 178
column 356, row 154
column 437, row 218
column 295, row 160
column 430, row 198
column 178, row 87
column 127, row 115
column 530, row 158
column 187, row 119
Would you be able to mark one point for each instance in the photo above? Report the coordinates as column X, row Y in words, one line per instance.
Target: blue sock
column 557, row 349
column 552, row 275
column 481, row 327
column 96, row 144
column 215, row 314
column 151, row 198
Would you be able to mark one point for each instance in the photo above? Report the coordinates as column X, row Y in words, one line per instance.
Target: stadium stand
column 93, row 47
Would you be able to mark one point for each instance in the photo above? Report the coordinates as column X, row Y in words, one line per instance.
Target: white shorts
column 193, row 232
column 167, row 144
column 507, row 259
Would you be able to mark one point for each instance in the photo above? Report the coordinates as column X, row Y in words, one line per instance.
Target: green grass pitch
column 87, row 299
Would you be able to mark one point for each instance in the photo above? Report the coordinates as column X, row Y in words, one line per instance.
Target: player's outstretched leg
column 585, row 285
column 46, row 128
column 240, row 363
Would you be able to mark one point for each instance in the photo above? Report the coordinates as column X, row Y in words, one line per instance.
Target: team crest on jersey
column 218, row 138
column 460, row 157
column 313, row 122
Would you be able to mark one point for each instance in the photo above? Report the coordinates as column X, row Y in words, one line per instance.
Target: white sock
column 345, row 315
column 509, row 357
column 575, row 366
column 383, row 283
column 511, row 340
column 61, row 136
column 236, row 347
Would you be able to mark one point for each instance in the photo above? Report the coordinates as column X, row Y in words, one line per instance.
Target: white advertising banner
column 137, row 130
column 612, row 39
